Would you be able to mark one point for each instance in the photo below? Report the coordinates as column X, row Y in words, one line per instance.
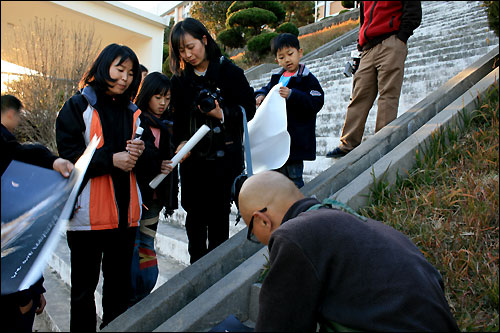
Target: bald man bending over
column 332, row 268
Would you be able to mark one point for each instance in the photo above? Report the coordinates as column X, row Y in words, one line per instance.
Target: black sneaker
column 336, row 153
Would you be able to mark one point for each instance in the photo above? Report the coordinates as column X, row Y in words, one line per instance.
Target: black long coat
column 214, row 163
column 149, row 165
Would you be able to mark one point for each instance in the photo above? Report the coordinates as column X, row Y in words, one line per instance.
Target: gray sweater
column 328, row 265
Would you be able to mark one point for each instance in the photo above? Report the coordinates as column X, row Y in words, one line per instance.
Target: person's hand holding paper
column 269, row 139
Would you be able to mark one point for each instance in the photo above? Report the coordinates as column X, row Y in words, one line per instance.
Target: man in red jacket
column 385, row 29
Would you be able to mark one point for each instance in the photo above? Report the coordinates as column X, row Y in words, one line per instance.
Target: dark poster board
column 36, row 205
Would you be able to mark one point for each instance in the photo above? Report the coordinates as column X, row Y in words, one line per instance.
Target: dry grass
column 449, row 207
column 312, row 41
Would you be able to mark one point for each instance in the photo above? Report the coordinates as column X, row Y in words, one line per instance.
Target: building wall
column 179, row 12
column 332, row 8
column 113, row 22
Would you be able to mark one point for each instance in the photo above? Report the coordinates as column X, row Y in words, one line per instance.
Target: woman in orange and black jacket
column 108, row 208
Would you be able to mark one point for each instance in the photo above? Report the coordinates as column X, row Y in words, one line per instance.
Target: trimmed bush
column 347, row 4
column 288, row 27
column 273, row 6
column 231, row 37
column 251, row 17
column 492, row 10
column 238, row 5
column 261, row 44
column 165, row 51
column 166, row 68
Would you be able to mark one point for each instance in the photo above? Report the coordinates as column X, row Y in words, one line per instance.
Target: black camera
column 350, row 69
column 206, row 99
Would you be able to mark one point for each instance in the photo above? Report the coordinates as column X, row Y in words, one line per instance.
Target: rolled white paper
column 200, row 133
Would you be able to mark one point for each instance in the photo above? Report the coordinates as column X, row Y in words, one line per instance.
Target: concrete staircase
column 453, row 35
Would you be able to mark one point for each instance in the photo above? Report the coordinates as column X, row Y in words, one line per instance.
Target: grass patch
column 308, row 43
column 312, row 41
column 449, row 207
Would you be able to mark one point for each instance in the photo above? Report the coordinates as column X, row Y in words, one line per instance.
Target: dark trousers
column 14, row 320
column 294, row 171
column 205, row 195
column 210, row 223
column 114, row 249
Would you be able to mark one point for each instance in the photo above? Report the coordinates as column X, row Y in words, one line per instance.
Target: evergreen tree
column 248, row 19
column 299, row 13
column 212, row 14
column 492, row 10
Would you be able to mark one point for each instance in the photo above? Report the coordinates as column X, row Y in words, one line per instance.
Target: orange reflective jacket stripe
column 97, row 207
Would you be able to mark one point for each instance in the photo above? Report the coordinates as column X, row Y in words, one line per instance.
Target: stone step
column 171, row 239
column 55, row 317
column 457, row 32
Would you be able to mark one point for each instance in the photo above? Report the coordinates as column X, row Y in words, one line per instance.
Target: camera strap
column 246, row 143
column 238, row 181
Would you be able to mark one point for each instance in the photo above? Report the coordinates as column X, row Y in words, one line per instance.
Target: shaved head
column 268, row 189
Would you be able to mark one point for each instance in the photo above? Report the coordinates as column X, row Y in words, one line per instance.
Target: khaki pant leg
column 363, row 96
column 390, row 62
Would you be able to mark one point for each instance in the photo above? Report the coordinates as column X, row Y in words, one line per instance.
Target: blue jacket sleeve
column 309, row 100
column 265, row 90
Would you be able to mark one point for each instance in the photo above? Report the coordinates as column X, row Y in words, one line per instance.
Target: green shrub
column 492, row 10
column 347, row 4
column 166, row 67
column 251, row 17
column 165, row 51
column 225, row 54
column 231, row 37
column 288, row 27
column 343, row 11
column 273, row 6
column 238, row 5
column 261, row 44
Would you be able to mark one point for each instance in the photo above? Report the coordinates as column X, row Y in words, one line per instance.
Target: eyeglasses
column 250, row 236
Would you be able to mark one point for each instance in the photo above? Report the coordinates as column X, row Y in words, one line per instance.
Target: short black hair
column 154, row 83
column 196, row 29
column 284, row 40
column 143, row 68
column 98, row 73
column 11, row 102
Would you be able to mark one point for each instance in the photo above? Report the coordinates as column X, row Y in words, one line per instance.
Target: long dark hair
column 98, row 73
column 196, row 29
column 154, row 83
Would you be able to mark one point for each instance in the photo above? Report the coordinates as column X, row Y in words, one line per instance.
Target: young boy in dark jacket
column 304, row 99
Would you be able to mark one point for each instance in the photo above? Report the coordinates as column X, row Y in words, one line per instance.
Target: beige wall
column 321, row 12
column 335, row 7
column 332, row 7
column 113, row 22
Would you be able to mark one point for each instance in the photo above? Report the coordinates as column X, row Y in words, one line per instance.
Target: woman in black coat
column 207, row 89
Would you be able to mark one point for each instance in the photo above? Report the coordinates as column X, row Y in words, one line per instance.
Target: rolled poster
column 200, row 133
